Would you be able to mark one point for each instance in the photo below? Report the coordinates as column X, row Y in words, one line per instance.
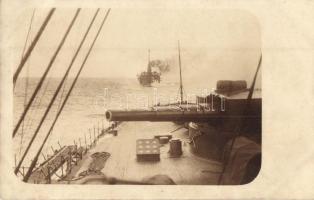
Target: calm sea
column 84, row 110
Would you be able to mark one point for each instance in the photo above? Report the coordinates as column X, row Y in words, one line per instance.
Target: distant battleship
column 148, row 77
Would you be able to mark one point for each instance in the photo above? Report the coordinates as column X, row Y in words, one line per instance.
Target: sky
column 214, row 43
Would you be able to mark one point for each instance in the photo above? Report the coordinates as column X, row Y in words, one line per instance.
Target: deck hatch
column 147, row 150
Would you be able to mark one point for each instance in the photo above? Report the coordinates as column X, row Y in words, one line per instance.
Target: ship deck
column 122, row 163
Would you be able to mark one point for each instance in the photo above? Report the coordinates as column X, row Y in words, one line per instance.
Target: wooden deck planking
column 188, row 169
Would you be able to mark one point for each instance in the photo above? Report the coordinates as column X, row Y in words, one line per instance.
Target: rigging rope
column 61, row 96
column 65, row 100
column 240, row 126
column 27, row 73
column 62, row 93
column 31, row 47
column 37, row 103
column 66, row 76
column 28, row 33
column 39, row 86
column 45, row 74
column 34, row 111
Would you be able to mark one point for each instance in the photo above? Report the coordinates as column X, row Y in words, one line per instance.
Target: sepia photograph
column 121, row 96
column 154, row 99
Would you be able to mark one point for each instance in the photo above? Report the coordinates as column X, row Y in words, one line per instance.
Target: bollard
column 175, row 148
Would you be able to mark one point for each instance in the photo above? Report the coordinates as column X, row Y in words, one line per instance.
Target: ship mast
column 149, row 69
column 148, row 56
column 181, row 86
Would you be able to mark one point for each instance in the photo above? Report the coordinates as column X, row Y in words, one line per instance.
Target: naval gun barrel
column 169, row 115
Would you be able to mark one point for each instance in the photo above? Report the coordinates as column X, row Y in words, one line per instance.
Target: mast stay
column 44, row 75
column 31, row 47
column 27, row 78
column 240, row 125
column 29, row 172
column 36, row 90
